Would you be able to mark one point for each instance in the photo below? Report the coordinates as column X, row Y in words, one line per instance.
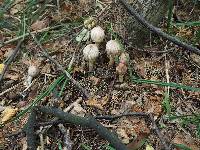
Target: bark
column 153, row 11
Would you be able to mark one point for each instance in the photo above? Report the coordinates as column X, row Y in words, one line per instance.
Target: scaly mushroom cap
column 97, row 34
column 33, row 71
column 112, row 47
column 91, row 52
column 121, row 69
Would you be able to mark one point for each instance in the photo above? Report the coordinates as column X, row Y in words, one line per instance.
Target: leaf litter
column 134, row 98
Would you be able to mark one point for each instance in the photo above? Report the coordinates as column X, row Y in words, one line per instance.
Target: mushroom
column 113, row 50
column 121, row 70
column 32, row 72
column 90, row 53
column 89, row 23
column 97, row 35
column 124, row 58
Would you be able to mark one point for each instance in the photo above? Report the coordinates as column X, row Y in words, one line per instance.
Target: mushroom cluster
column 113, row 50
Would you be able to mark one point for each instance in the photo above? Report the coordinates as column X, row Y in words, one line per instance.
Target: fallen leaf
column 1, row 68
column 149, row 147
column 95, row 80
column 183, row 139
column 83, row 35
column 94, row 103
column 195, row 58
column 38, row 25
column 12, row 77
column 138, row 142
column 78, row 110
column 123, row 135
column 105, row 100
column 8, row 113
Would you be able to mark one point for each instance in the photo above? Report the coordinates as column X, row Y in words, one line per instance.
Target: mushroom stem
column 91, row 64
column 111, row 61
column 29, row 80
column 121, row 77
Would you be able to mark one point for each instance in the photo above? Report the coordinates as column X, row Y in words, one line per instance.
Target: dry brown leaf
column 38, row 25
column 153, row 105
column 78, row 110
column 195, row 58
column 14, row 77
column 138, row 142
column 8, row 113
column 105, row 100
column 94, row 103
column 17, row 6
column 95, row 80
column 186, row 140
column 123, row 135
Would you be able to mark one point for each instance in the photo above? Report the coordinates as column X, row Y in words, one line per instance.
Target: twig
column 11, row 58
column 158, row 132
column 76, row 83
column 108, row 117
column 30, row 133
column 158, row 31
column 85, row 122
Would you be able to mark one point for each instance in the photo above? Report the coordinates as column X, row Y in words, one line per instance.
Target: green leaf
column 170, row 14
column 182, row 147
column 166, row 103
column 190, row 24
column 85, row 147
column 107, row 147
column 83, row 35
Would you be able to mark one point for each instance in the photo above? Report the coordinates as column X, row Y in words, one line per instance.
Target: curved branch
column 85, row 122
column 158, row 31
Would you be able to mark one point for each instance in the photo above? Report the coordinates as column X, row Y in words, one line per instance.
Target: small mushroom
column 113, row 50
column 97, row 35
column 32, row 72
column 89, row 23
column 121, row 70
column 124, row 58
column 90, row 53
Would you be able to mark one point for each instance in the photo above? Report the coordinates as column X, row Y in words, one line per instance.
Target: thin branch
column 76, row 83
column 156, row 30
column 30, row 133
column 10, row 59
column 158, row 132
column 85, row 122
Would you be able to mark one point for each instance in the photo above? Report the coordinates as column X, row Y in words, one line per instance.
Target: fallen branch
column 156, row 30
column 84, row 122
column 10, row 59
column 30, row 133
column 76, row 83
column 70, row 118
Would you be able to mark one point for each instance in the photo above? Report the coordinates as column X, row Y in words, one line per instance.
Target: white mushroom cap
column 112, row 47
column 33, row 71
column 91, row 52
column 97, row 34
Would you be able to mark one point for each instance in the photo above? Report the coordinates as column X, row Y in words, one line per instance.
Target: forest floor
column 162, row 79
